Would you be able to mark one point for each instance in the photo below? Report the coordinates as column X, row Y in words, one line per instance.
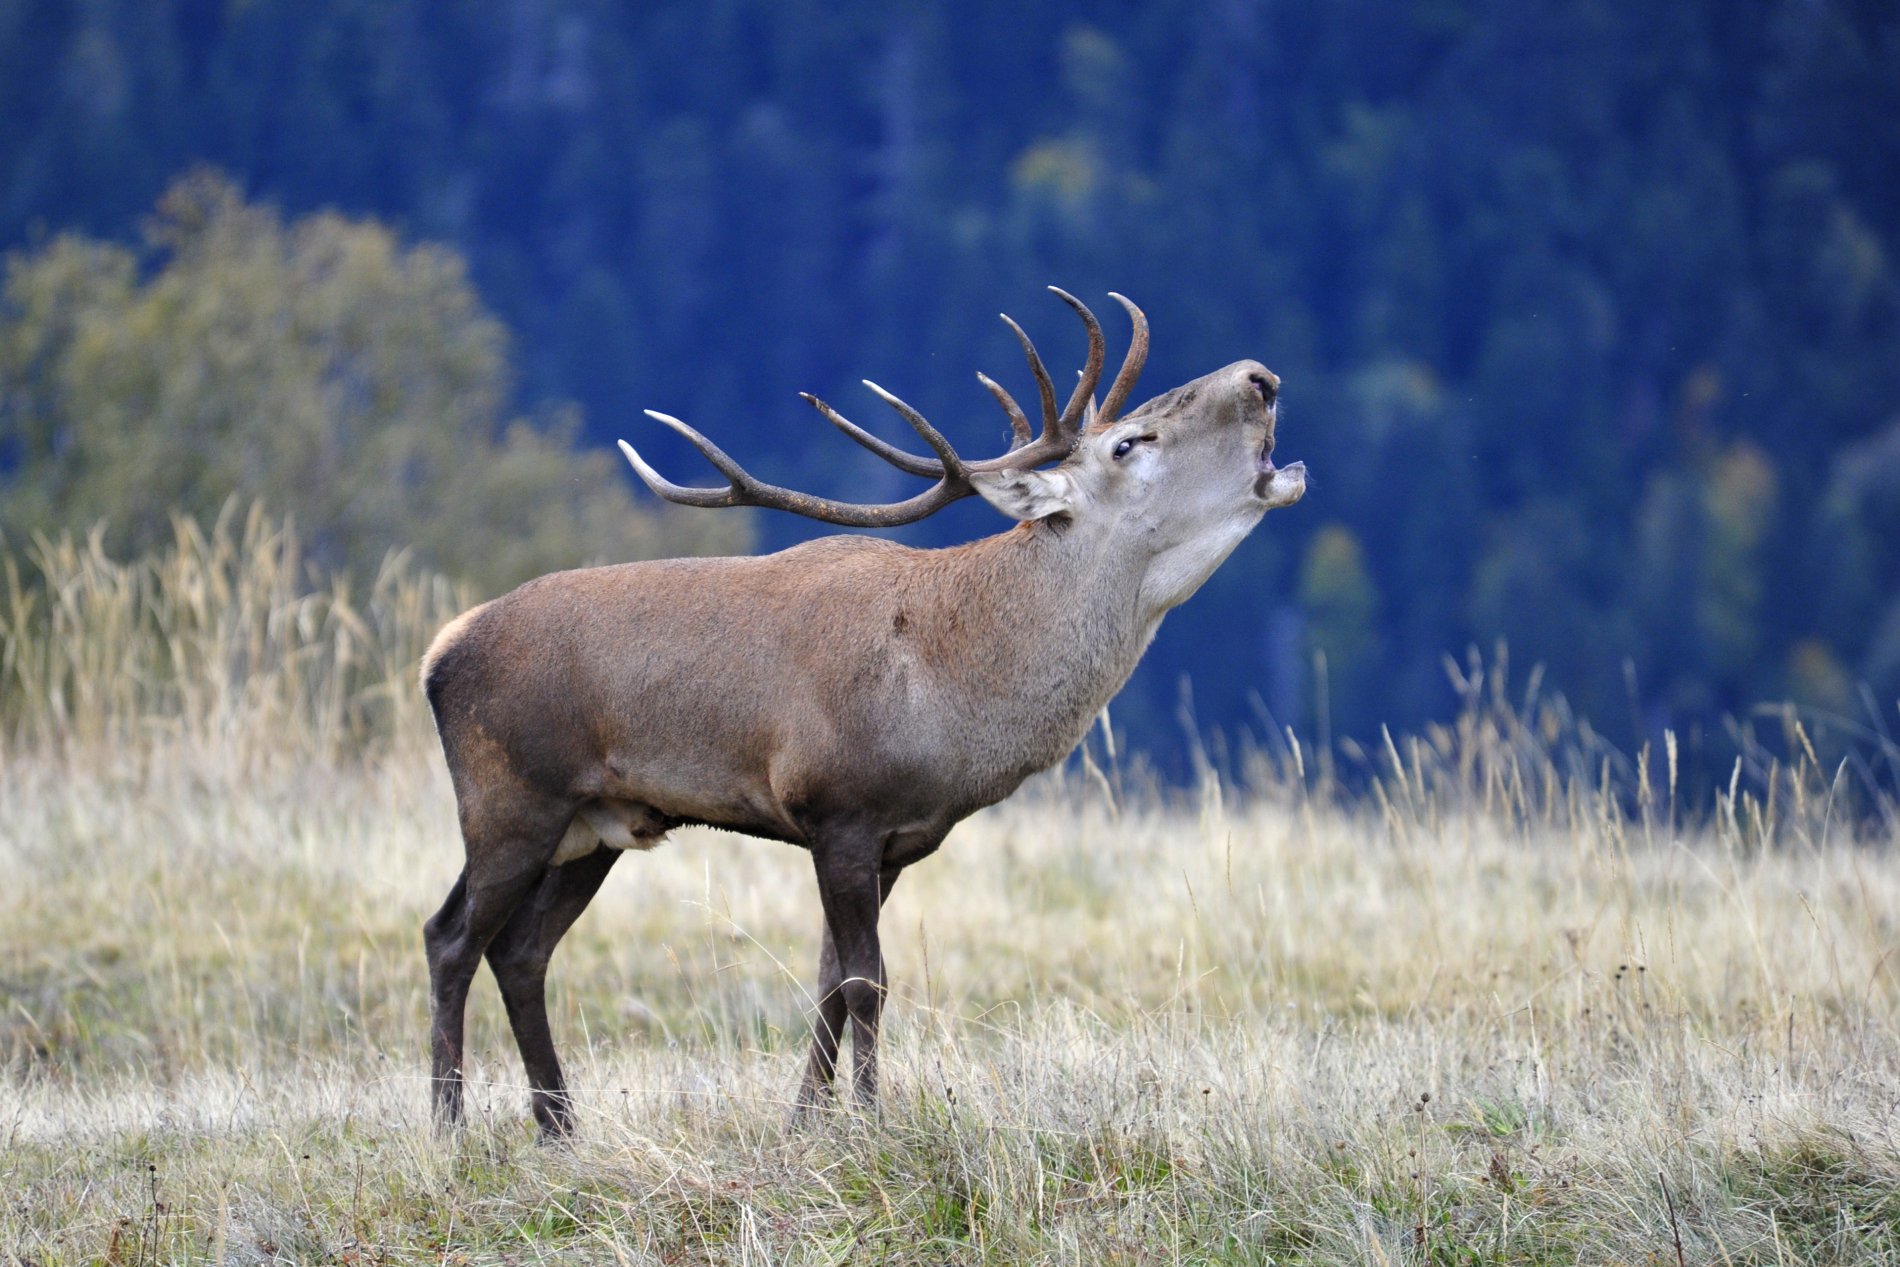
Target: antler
column 1131, row 364
column 1057, row 439
column 744, row 490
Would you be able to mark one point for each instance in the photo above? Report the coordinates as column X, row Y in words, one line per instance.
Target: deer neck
column 1039, row 627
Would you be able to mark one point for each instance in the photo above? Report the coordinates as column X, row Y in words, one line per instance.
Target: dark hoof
column 554, row 1126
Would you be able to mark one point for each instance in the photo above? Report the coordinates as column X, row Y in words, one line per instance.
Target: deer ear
column 1027, row 495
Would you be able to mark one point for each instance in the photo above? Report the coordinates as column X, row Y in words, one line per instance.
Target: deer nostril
column 1267, row 385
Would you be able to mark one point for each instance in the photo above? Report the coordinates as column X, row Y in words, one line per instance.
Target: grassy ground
column 1489, row 1012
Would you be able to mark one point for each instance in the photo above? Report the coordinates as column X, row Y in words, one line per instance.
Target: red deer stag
column 849, row 695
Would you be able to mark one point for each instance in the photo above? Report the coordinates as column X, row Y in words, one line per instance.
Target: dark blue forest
column 1588, row 314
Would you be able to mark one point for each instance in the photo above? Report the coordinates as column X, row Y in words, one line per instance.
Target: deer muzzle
column 1279, row 485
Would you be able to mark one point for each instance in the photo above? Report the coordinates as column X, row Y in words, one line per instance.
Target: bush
column 318, row 366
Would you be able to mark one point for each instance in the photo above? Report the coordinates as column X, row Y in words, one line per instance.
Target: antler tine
column 1059, row 431
column 744, row 490
column 1131, row 364
column 1046, row 388
column 708, row 497
column 1091, row 370
column 953, row 466
column 908, row 463
column 1018, row 422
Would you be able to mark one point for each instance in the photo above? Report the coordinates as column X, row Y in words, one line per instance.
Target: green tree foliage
column 1698, row 583
column 1853, row 541
column 1342, row 611
column 318, row 366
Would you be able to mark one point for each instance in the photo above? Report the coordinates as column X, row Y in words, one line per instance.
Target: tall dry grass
column 1509, row 1000
column 223, row 644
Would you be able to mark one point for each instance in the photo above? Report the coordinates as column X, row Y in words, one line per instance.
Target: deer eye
column 1121, row 450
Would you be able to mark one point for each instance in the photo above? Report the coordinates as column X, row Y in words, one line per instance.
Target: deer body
column 849, row 695
column 710, row 714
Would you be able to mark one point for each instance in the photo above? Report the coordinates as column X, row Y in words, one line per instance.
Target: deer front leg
column 827, row 1028
column 851, row 979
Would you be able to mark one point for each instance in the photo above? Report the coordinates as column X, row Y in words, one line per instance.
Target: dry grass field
column 1509, row 1003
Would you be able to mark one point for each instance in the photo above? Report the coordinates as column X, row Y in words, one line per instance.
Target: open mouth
column 1271, row 484
column 1267, row 476
column 1263, row 461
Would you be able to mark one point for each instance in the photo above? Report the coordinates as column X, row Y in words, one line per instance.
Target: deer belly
column 612, row 825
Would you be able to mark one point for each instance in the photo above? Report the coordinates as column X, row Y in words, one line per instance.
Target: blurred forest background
column 1589, row 314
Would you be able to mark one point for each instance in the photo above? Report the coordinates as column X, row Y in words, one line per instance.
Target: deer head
column 1176, row 484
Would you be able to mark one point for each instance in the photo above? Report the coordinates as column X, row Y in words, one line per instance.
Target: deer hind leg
column 851, row 986
column 519, row 958
column 506, row 859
